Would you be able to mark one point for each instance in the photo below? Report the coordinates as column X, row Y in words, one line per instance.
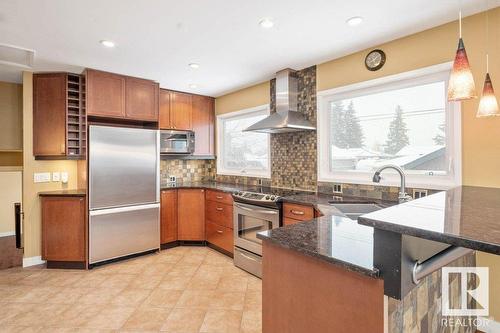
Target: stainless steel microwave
column 176, row 142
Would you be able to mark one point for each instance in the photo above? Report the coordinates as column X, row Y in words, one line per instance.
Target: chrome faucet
column 403, row 196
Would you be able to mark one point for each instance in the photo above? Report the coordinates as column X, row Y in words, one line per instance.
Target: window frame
column 261, row 109
column 397, row 81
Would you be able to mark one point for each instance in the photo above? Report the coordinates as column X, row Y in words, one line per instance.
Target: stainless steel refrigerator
column 124, row 193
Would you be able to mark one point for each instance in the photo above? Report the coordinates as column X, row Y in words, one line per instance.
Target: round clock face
column 375, row 60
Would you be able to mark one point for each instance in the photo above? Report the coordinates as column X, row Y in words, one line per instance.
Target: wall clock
column 375, row 60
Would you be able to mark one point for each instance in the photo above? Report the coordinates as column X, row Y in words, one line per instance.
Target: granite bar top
column 465, row 216
column 64, row 193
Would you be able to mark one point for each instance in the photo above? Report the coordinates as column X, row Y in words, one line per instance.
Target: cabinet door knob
column 296, row 212
column 219, row 209
column 219, row 231
column 219, row 196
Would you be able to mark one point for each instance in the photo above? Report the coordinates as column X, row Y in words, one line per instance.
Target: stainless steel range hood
column 286, row 118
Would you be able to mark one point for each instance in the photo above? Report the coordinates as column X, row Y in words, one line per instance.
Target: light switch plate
column 41, row 177
column 56, row 176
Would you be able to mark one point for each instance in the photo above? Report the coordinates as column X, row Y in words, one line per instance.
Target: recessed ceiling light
column 194, row 65
column 354, row 21
column 193, row 86
column 266, row 23
column 107, row 43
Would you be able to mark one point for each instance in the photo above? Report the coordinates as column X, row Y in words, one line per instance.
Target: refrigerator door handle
column 107, row 211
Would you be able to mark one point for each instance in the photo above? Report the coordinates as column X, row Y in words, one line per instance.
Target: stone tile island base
column 302, row 294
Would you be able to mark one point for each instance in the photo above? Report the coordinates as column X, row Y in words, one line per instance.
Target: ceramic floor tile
column 184, row 321
column 184, row 289
column 147, row 319
column 221, row 321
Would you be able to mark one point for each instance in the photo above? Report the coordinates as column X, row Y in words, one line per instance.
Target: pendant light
column 488, row 105
column 461, row 85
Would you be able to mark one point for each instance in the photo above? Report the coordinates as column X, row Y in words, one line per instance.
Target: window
column 403, row 119
column 242, row 153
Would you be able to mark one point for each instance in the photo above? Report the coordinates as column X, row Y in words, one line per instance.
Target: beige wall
column 480, row 137
column 31, row 202
column 11, row 137
column 243, row 99
column 10, row 192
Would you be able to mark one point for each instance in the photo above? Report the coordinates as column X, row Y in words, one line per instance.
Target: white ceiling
column 156, row 39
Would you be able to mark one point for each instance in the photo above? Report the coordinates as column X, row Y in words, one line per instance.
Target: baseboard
column 7, row 234
column 490, row 326
column 33, row 261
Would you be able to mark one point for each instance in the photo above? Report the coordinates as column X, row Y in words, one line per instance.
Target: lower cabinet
column 191, row 214
column 220, row 236
column 168, row 225
column 63, row 229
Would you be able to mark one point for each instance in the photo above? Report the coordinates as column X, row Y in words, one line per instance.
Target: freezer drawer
column 118, row 232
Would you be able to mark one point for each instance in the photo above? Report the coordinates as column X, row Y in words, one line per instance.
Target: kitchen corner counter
column 64, row 193
column 464, row 216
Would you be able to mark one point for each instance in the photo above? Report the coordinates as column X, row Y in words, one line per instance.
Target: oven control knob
column 272, row 197
column 267, row 197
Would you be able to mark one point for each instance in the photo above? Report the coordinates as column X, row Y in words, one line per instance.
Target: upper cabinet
column 59, row 121
column 203, row 125
column 141, row 99
column 116, row 96
column 182, row 111
column 105, row 94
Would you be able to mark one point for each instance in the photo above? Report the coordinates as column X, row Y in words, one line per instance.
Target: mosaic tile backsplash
column 294, row 155
column 187, row 170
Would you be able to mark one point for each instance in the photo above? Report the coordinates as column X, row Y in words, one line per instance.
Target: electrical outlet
column 64, row 177
column 419, row 193
column 41, row 177
column 337, row 188
column 172, row 179
column 56, row 176
column 337, row 198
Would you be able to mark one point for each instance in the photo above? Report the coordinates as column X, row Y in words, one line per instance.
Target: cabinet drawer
column 220, row 213
column 298, row 212
column 220, row 236
column 219, row 196
column 289, row 221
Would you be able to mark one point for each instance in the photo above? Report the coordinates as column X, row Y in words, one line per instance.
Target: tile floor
column 184, row 289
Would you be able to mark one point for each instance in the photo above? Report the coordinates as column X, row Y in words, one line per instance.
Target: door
column 250, row 220
column 164, row 116
column 63, row 228
column 180, row 111
column 203, row 125
column 49, row 114
column 105, row 94
column 124, row 166
column 118, row 232
column 141, row 99
column 11, row 193
column 191, row 214
column 168, row 216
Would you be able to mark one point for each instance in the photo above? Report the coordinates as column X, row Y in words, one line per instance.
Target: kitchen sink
column 355, row 210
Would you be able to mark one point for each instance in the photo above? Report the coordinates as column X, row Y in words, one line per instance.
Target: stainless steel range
column 254, row 212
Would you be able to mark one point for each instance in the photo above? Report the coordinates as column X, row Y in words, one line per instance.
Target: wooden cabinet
column 63, row 228
column 180, row 111
column 294, row 213
column 219, row 196
column 168, row 225
column 141, row 99
column 105, row 94
column 203, row 125
column 164, row 116
column 117, row 96
column 59, row 121
column 220, row 236
column 191, row 214
column 219, row 213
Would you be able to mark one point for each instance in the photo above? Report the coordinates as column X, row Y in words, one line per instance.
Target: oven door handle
column 269, row 212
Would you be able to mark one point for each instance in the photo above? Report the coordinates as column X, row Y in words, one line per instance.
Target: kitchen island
column 350, row 276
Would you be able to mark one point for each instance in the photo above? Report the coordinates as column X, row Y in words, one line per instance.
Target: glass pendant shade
column 461, row 85
column 488, row 105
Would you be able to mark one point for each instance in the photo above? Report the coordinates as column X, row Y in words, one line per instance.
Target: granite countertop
column 66, row 193
column 225, row 187
column 465, row 216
